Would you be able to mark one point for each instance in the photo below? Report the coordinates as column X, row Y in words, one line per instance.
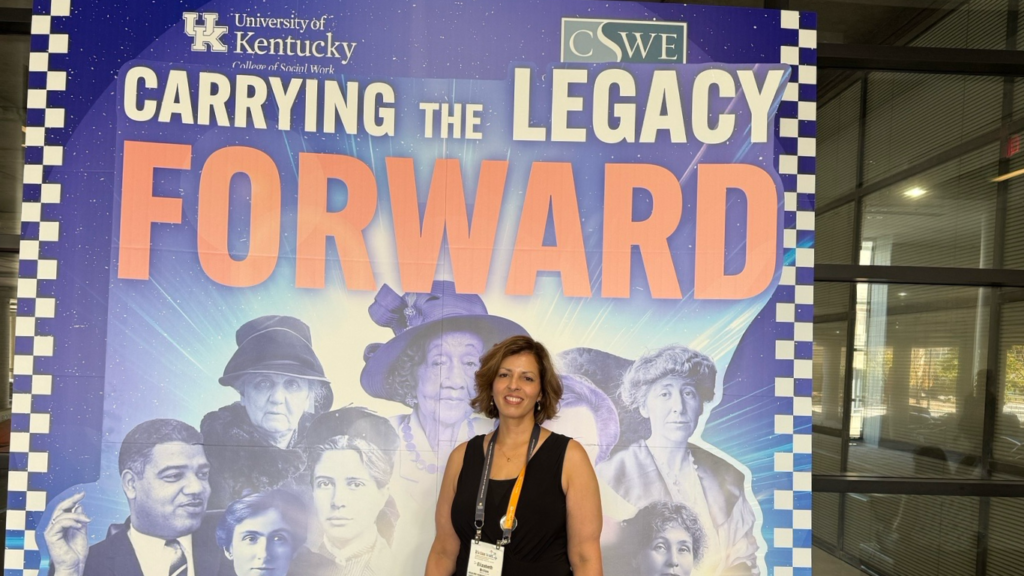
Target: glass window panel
column 977, row 24
column 1018, row 83
column 1018, row 95
column 825, row 517
column 942, row 217
column 971, row 25
column 911, row 117
column 912, row 535
column 1006, row 524
column 834, row 236
column 916, row 352
column 829, row 374
column 826, row 456
column 831, row 298
column 838, row 131
column 1008, row 446
column 1013, row 247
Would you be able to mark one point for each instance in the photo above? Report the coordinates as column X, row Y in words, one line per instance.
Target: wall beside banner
column 250, row 223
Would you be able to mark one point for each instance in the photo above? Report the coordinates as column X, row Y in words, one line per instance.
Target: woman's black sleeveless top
column 539, row 544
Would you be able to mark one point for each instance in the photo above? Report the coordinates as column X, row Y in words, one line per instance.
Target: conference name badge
column 485, row 559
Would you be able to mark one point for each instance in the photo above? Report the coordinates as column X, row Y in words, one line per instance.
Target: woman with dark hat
column 252, row 444
column 350, row 456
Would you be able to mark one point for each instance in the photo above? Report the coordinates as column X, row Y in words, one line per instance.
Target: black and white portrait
column 253, row 443
column 165, row 478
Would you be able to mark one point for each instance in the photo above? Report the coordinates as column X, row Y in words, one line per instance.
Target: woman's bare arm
column 445, row 550
column 583, row 511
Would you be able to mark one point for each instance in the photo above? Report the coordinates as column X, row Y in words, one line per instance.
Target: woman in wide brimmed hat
column 429, row 366
column 350, row 457
column 251, row 444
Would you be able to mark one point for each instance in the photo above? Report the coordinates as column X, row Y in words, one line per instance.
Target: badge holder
column 486, row 559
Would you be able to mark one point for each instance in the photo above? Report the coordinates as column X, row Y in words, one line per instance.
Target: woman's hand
column 583, row 511
column 445, row 550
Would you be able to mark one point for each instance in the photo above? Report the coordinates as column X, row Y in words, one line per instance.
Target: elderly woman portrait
column 252, row 443
column 663, row 538
column 429, row 367
column 669, row 387
column 351, row 459
column 261, row 535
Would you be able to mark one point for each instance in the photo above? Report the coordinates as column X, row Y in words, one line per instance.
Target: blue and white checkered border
column 36, row 273
column 794, row 308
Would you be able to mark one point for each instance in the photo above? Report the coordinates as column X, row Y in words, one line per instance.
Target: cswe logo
column 594, row 40
column 206, row 36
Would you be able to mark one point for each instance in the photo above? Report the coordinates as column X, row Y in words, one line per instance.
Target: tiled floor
column 825, row 564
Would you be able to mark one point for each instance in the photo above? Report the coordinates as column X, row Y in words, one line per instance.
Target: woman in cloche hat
column 252, row 444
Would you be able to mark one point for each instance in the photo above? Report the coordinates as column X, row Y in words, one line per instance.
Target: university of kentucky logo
column 206, row 36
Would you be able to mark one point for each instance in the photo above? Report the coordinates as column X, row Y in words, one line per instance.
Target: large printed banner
column 265, row 245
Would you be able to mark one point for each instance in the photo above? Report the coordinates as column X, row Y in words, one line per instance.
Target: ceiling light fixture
column 1008, row 175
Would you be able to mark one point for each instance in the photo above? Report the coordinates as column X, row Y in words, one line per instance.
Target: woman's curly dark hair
column 655, row 518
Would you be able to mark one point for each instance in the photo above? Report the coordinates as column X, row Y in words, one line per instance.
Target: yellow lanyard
column 508, row 523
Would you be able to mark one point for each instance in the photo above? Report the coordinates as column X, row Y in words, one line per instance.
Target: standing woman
column 553, row 525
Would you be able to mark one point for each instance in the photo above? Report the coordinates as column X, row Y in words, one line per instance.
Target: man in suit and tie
column 165, row 476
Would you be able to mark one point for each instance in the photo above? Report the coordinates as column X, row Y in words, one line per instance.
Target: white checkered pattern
column 25, row 505
column 794, row 307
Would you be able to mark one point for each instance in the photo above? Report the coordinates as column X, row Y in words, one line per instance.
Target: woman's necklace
column 410, row 444
column 507, row 457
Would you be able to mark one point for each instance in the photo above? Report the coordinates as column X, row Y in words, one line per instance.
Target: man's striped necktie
column 179, row 564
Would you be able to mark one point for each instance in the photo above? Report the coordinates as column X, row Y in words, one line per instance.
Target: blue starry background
column 127, row 350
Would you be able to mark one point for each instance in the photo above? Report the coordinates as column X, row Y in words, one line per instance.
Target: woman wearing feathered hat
column 429, row 366
column 252, row 444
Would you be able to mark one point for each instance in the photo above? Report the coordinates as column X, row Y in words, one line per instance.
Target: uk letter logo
column 207, row 36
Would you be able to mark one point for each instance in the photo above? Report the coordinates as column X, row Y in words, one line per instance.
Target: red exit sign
column 1013, row 145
